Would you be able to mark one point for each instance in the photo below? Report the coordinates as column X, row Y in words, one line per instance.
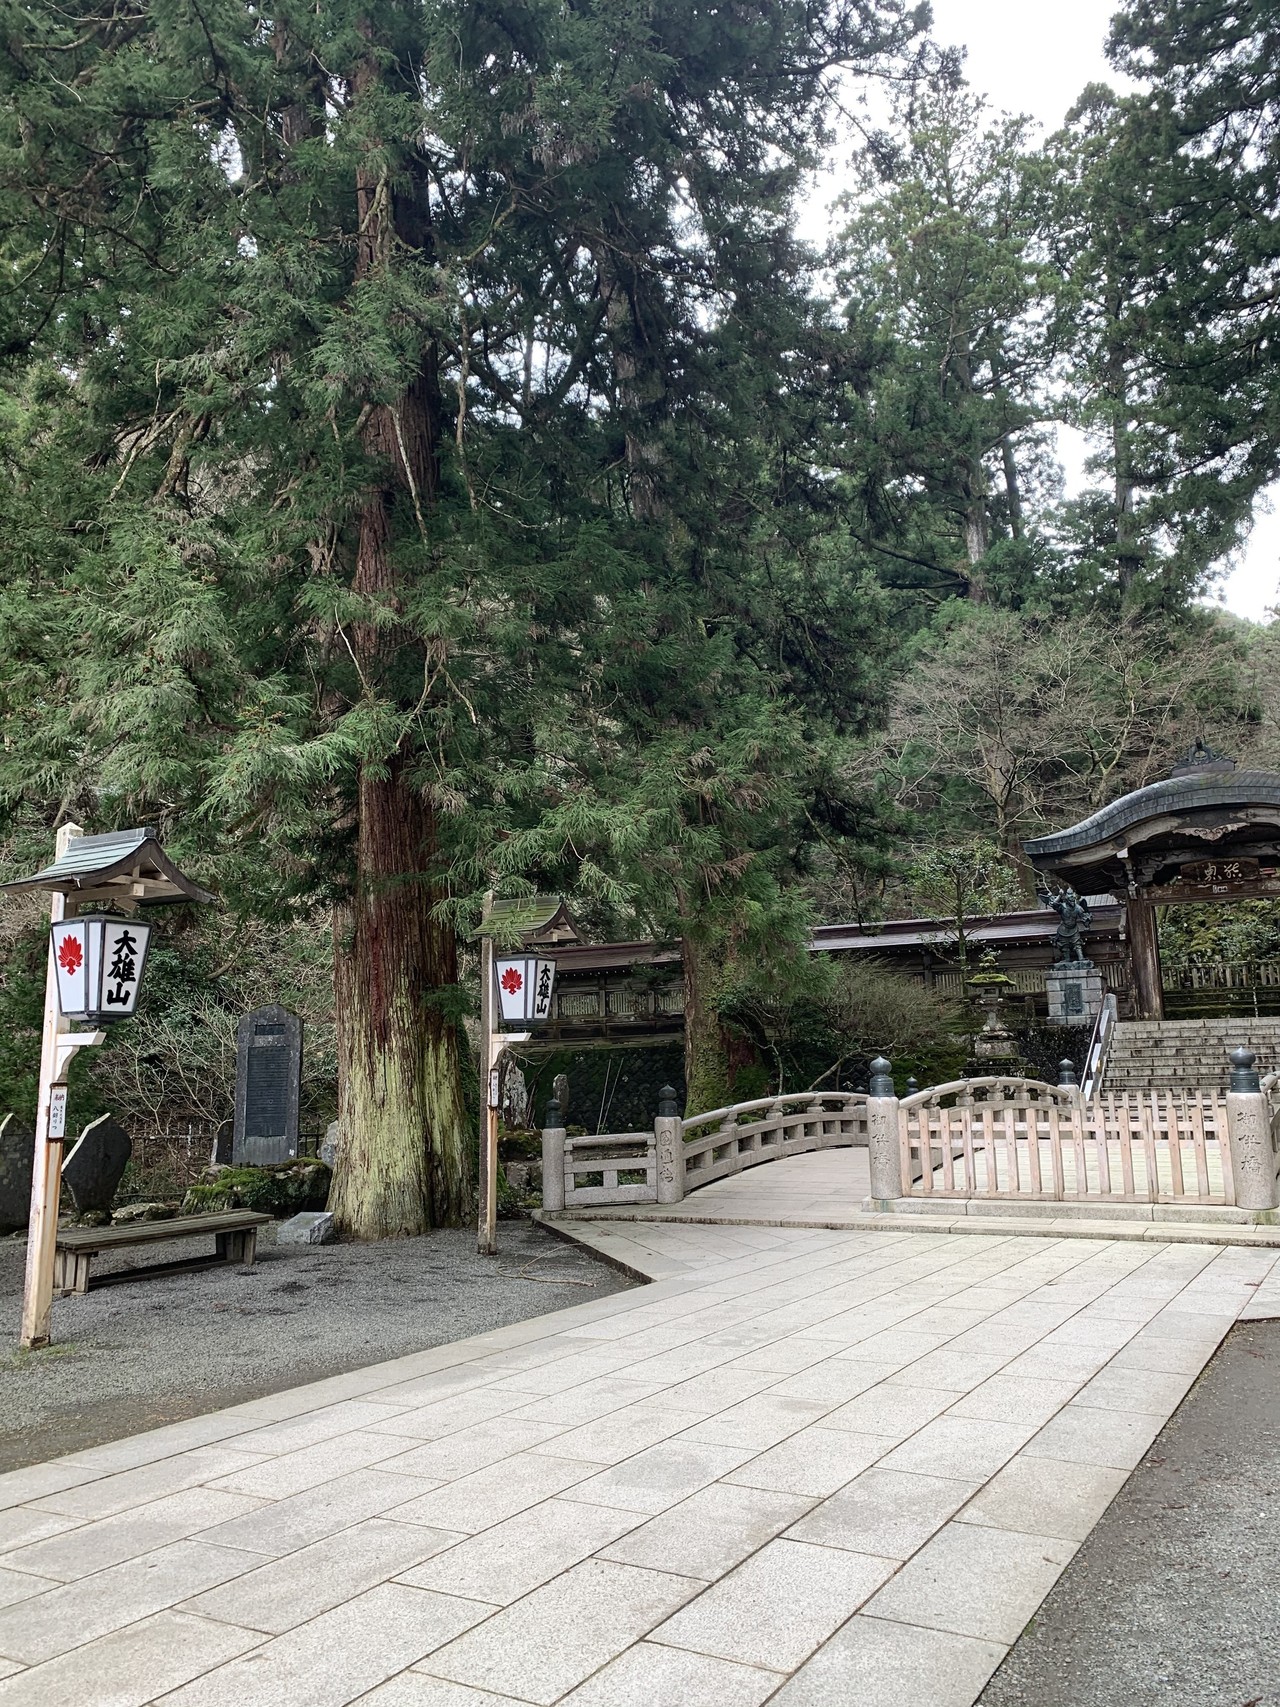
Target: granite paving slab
column 830, row 1464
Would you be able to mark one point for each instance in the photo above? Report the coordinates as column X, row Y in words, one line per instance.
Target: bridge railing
column 619, row 1167
column 679, row 1156
column 1001, row 1136
column 724, row 1141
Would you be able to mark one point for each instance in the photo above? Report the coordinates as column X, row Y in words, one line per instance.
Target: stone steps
column 1187, row 1053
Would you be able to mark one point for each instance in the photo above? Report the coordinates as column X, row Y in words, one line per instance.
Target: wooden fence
column 1019, row 1138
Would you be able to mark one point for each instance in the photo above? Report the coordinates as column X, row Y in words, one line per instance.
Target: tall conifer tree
column 354, row 356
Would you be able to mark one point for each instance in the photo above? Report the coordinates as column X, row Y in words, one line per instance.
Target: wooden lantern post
column 490, row 1049
column 58, row 1045
column 493, row 1046
column 130, row 869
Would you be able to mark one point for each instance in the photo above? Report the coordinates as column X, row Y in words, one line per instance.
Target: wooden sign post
column 490, row 1048
column 94, row 971
column 524, row 997
column 58, row 1044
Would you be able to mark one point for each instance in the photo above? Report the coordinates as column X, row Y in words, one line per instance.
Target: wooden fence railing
column 1019, row 1138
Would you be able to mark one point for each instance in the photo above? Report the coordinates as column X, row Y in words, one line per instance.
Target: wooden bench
column 235, row 1233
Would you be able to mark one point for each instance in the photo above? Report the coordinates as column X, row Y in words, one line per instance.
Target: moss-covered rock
column 280, row 1188
column 144, row 1212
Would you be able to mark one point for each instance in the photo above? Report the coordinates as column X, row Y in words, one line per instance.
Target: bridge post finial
column 1244, row 1070
column 1067, row 1074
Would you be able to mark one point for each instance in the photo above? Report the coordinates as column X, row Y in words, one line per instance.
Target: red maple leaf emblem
column 512, row 981
column 70, row 954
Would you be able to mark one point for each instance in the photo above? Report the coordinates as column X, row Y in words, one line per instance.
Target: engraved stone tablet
column 268, row 1087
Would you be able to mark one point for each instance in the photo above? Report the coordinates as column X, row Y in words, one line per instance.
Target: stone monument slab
column 17, row 1162
column 268, row 1087
column 94, row 1167
column 328, row 1150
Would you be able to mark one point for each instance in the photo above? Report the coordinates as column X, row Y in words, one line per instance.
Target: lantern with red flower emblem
column 99, row 962
column 525, row 987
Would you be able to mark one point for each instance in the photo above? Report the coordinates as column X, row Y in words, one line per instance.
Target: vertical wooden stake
column 46, row 1178
column 487, row 1240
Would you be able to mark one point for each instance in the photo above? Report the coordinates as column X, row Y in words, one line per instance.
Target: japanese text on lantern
column 123, row 970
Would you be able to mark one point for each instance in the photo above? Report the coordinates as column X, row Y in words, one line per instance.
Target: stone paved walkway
column 805, row 1467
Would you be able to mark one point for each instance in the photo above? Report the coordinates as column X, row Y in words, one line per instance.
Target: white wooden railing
column 1020, row 1138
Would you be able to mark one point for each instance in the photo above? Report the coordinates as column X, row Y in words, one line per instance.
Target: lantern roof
column 538, row 920
column 126, row 866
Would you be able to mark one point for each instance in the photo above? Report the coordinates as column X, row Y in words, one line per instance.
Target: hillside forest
column 432, row 463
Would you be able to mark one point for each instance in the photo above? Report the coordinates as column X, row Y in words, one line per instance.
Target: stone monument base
column 1075, row 993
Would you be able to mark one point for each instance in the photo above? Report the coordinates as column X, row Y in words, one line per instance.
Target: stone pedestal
column 1075, row 993
column 553, row 1163
column 885, row 1152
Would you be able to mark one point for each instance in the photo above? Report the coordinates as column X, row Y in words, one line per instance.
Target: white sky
column 1035, row 56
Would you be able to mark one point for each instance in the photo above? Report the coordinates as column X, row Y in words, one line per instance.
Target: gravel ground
column 1173, row 1600
column 134, row 1355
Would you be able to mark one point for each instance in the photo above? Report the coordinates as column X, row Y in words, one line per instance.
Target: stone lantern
column 991, row 986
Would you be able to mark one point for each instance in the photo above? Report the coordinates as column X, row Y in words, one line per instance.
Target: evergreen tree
column 360, row 359
column 1170, row 234
column 949, row 292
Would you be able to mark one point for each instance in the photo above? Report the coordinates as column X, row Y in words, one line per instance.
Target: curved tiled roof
column 1192, row 793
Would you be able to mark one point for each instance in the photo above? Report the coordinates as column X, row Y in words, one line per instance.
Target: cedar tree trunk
column 403, row 1146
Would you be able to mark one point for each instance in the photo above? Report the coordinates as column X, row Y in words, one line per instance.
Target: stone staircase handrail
column 1095, row 1063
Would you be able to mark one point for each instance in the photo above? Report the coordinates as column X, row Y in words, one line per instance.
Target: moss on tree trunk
column 706, row 1056
column 402, row 1163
